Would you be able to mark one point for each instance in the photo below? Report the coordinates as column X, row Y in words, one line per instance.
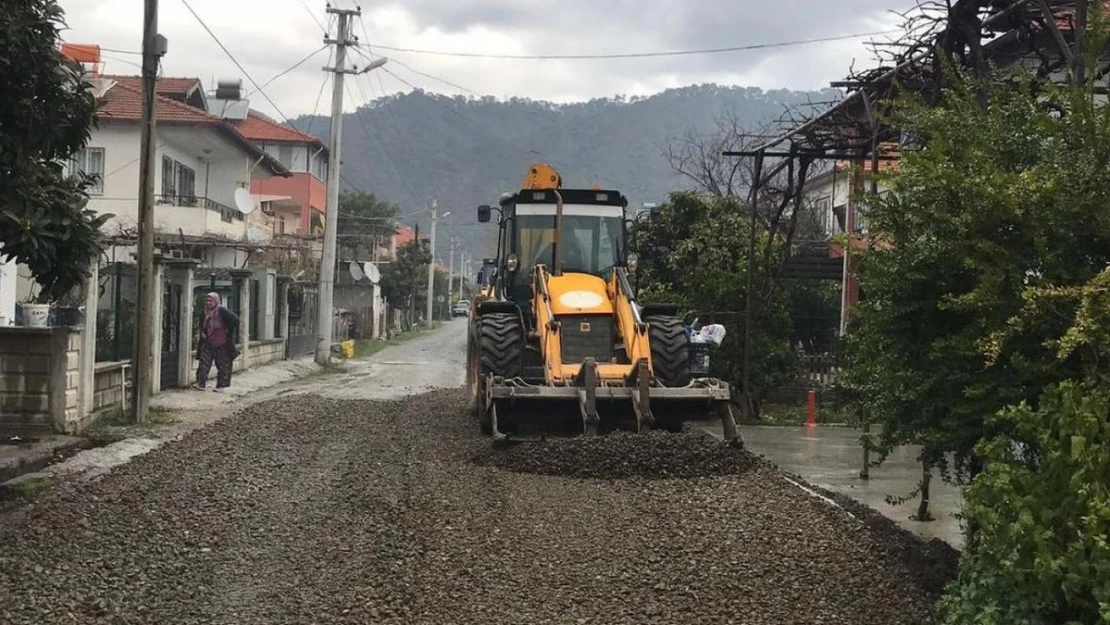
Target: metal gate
column 171, row 343
column 302, row 304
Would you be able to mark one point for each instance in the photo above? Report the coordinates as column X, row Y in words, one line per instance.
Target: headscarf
column 212, row 316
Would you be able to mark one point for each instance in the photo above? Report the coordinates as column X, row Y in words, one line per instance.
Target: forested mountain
column 413, row 147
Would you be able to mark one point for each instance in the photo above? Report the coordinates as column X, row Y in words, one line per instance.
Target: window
column 591, row 238
column 320, row 165
column 89, row 161
column 186, row 183
column 285, row 155
column 300, row 159
column 293, row 156
column 179, row 183
column 169, row 183
column 822, row 208
column 271, row 149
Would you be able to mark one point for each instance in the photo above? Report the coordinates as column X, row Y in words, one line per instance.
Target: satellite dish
column 356, row 271
column 243, row 201
column 372, row 272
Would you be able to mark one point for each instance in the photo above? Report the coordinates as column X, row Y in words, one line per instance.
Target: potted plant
column 59, row 252
column 44, row 222
column 35, row 313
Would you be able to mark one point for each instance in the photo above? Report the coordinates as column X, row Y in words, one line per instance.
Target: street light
column 375, row 64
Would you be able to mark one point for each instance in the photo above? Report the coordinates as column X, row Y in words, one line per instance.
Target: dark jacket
column 231, row 324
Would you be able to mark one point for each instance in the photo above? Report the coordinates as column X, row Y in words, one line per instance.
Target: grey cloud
column 271, row 44
column 591, row 26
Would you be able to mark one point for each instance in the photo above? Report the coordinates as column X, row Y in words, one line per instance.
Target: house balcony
column 198, row 216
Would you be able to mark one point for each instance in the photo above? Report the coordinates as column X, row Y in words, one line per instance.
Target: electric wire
column 235, row 61
column 634, row 55
column 291, row 68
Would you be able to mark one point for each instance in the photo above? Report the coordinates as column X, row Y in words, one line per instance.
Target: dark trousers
column 221, row 355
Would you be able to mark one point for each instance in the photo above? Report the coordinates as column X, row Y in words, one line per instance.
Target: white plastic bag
column 713, row 333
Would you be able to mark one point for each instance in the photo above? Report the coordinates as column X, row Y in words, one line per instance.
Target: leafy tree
column 1042, row 505
column 694, row 254
column 46, row 113
column 363, row 218
column 1002, row 198
column 406, row 277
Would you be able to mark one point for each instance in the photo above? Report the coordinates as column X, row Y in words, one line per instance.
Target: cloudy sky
column 269, row 36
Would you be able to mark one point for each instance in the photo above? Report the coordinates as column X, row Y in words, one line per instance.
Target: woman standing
column 219, row 334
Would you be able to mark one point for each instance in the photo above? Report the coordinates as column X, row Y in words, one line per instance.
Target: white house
column 201, row 160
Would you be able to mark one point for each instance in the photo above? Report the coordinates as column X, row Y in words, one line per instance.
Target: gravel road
column 312, row 509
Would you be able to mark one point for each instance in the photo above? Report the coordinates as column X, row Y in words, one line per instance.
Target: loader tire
column 670, row 352
column 500, row 345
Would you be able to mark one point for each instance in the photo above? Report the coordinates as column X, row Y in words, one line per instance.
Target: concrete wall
column 40, row 378
column 265, row 352
column 227, row 176
column 8, row 297
column 121, row 169
column 108, row 385
column 197, row 220
column 260, row 353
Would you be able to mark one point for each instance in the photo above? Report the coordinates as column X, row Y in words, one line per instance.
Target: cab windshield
column 591, row 239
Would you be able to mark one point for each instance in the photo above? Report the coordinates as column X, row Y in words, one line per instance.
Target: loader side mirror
column 484, row 213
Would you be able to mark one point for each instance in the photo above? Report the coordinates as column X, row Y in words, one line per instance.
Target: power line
column 387, row 113
column 119, row 60
column 370, row 137
column 117, row 51
column 312, row 14
column 435, row 78
column 403, row 81
column 319, row 96
column 235, row 61
column 481, row 127
column 634, row 55
column 291, row 68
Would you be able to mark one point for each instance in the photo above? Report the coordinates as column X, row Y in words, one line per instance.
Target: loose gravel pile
column 310, row 510
column 622, row 455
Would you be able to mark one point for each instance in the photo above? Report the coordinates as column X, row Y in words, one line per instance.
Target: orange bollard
column 811, row 409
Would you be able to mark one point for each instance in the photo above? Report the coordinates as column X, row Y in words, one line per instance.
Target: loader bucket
column 522, row 411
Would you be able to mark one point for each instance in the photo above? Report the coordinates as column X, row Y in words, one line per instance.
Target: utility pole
column 464, row 268
column 154, row 46
column 432, row 262
column 451, row 271
column 416, row 283
column 326, row 308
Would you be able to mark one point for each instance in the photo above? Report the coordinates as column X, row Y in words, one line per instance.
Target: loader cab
column 592, row 235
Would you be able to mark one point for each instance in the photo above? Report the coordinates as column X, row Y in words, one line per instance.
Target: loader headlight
column 512, row 263
column 633, row 260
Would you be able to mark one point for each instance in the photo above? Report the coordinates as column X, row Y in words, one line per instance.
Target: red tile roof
column 403, row 236
column 125, row 102
column 257, row 128
column 122, row 102
column 165, row 86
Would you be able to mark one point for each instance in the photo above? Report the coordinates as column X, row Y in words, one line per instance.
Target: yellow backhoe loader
column 559, row 324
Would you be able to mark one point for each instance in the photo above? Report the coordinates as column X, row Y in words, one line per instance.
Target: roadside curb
column 18, row 460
